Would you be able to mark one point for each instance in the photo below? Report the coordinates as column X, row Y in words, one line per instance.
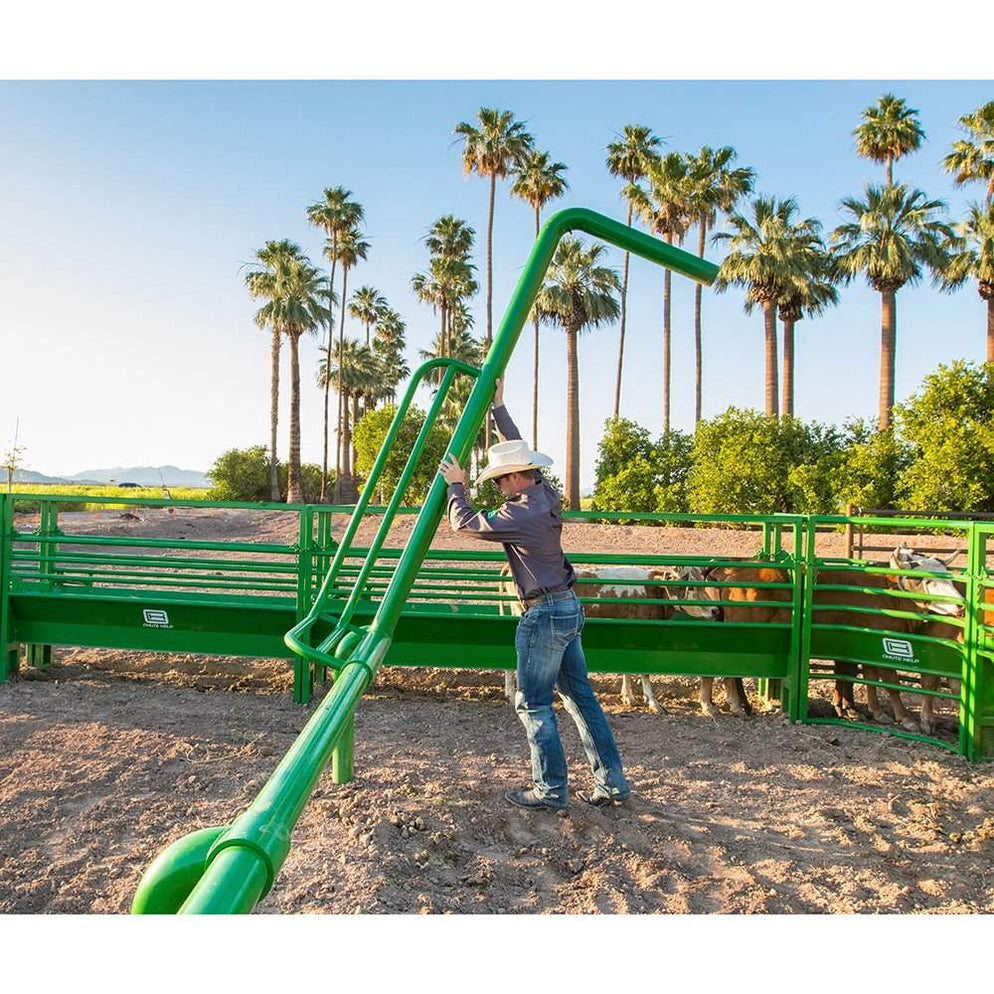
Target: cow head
column 694, row 574
column 903, row 558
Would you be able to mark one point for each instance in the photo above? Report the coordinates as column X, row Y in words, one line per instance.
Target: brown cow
column 900, row 559
column 615, row 584
column 843, row 699
column 738, row 702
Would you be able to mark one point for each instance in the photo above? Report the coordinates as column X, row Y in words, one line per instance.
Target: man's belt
column 548, row 596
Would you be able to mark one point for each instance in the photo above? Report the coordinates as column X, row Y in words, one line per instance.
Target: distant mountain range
column 144, row 476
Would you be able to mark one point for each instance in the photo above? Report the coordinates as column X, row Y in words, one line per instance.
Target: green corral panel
column 887, row 650
column 249, row 626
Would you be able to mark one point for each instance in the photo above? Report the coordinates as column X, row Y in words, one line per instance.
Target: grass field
column 109, row 491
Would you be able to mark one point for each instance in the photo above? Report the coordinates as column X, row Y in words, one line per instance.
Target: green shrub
column 242, row 474
column 949, row 425
column 369, row 435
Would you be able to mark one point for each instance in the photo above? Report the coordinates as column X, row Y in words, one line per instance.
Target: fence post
column 303, row 669
column 799, row 704
column 848, row 538
column 977, row 687
column 40, row 656
column 8, row 647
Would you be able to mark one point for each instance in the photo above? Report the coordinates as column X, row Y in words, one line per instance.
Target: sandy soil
column 109, row 756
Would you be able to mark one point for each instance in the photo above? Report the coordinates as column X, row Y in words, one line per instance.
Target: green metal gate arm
column 560, row 224
column 243, row 862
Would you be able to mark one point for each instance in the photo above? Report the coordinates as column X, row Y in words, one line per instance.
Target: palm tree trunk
column 327, row 368
column 274, row 413
column 345, row 497
column 990, row 329
column 490, row 260
column 770, row 326
column 667, row 289
column 788, row 368
column 698, row 343
column 490, row 289
column 355, row 421
column 339, row 476
column 535, row 374
column 624, row 316
column 294, row 493
column 890, row 171
column 888, row 343
column 572, row 423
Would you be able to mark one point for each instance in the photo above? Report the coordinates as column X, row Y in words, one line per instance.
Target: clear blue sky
column 128, row 209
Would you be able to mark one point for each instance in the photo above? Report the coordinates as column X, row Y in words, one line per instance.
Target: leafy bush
column 949, row 424
column 636, row 474
column 873, row 465
column 369, row 435
column 243, row 474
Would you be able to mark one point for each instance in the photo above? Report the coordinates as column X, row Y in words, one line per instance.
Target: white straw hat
column 511, row 457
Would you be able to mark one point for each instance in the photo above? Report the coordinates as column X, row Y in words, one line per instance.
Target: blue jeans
column 550, row 656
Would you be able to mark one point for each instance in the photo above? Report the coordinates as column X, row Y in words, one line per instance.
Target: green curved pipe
column 167, row 883
column 243, row 861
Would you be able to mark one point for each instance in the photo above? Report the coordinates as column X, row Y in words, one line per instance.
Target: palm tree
column 335, row 214
column 714, row 186
column 894, row 231
column 668, row 210
column 973, row 258
column 972, row 158
column 537, row 182
column 809, row 292
column 293, row 289
column 450, row 278
column 367, row 305
column 389, row 343
column 284, row 278
column 354, row 371
column 493, row 149
column 578, row 295
column 763, row 259
column 628, row 158
column 888, row 131
column 349, row 249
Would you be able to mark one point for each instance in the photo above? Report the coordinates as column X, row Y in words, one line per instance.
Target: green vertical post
column 799, row 703
column 977, row 687
column 303, row 669
column 40, row 656
column 8, row 647
column 765, row 554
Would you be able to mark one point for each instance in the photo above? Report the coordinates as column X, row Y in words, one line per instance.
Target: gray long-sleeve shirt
column 529, row 525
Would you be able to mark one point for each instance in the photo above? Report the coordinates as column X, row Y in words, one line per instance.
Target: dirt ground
column 109, row 756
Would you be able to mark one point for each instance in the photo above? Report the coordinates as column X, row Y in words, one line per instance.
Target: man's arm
column 506, row 428
column 502, row 525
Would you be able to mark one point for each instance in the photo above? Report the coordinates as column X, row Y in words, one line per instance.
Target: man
column 550, row 655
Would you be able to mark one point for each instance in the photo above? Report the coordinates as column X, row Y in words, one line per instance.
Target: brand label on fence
column 900, row 650
column 155, row 618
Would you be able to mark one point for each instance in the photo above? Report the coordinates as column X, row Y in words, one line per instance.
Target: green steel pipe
column 257, row 842
column 293, row 638
column 422, row 440
column 167, row 883
column 260, row 837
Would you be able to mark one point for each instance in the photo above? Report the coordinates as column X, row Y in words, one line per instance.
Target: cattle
column 738, row 702
column 608, row 587
column 832, row 606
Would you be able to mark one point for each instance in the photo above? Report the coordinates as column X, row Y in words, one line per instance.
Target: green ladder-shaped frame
column 229, row 869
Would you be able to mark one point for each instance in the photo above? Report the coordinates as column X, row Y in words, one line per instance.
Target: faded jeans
column 550, row 656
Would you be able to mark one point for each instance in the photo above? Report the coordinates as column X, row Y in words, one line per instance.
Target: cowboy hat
column 511, row 457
